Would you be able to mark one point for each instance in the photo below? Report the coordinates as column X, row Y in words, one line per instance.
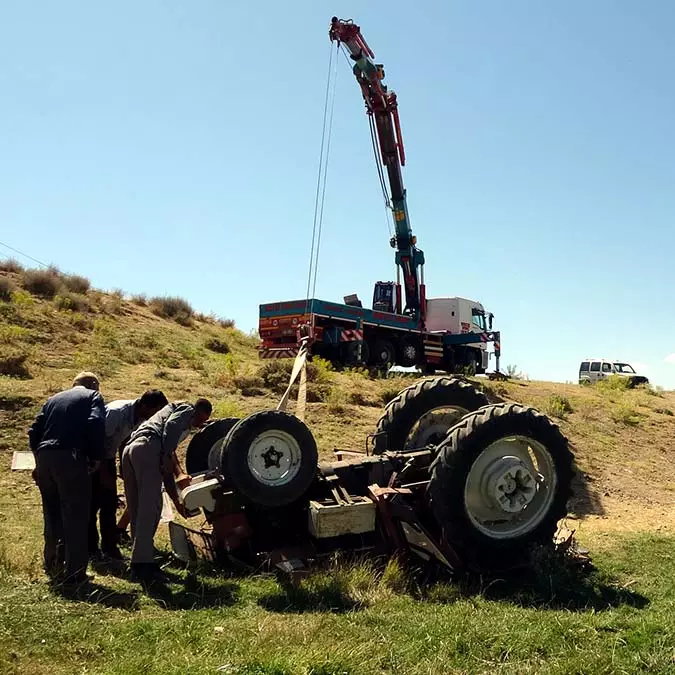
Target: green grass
column 356, row 619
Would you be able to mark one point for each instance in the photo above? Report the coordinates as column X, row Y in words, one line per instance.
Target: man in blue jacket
column 67, row 439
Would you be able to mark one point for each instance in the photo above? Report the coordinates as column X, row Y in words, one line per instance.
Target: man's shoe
column 113, row 553
column 148, row 574
column 123, row 536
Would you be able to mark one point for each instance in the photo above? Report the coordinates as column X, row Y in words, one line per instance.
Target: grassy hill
column 355, row 619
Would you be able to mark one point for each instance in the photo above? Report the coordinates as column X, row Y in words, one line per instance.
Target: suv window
column 606, row 367
column 584, row 367
column 595, row 366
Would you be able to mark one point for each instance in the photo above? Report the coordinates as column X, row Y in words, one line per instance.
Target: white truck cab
column 593, row 370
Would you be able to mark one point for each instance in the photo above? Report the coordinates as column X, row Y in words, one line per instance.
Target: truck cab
column 460, row 316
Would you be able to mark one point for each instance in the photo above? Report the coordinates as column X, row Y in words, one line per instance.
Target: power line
column 25, row 255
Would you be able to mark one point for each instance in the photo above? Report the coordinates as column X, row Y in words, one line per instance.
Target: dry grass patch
column 11, row 265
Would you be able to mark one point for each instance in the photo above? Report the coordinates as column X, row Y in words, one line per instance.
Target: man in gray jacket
column 67, row 439
column 147, row 462
column 121, row 419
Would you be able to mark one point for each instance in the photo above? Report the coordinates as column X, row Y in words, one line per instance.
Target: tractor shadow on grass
column 317, row 593
column 193, row 591
column 552, row 581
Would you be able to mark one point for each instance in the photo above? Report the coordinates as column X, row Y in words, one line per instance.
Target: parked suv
column 592, row 370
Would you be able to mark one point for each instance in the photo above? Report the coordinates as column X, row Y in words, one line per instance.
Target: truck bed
column 335, row 310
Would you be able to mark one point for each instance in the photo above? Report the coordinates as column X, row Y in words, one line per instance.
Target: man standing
column 67, row 439
column 147, row 462
column 121, row 419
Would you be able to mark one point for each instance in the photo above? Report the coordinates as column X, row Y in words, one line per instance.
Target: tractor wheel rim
column 274, row 458
column 510, row 487
column 433, row 426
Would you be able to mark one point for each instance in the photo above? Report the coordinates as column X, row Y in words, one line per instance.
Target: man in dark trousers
column 147, row 462
column 67, row 440
column 121, row 419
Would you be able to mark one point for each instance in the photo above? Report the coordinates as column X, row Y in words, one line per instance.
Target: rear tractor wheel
column 423, row 413
column 499, row 484
column 203, row 451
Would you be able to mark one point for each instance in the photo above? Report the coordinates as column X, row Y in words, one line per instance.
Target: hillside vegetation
column 355, row 619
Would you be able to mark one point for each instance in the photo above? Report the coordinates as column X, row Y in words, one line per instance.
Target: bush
column 6, row 289
column 13, row 363
column 43, row 283
column 558, row 406
column 225, row 323
column 73, row 302
column 389, row 394
column 614, row 383
column 363, row 399
column 140, row 300
column 624, row 414
column 172, row 307
column 276, row 374
column 76, row 283
column 217, row 345
column 11, row 265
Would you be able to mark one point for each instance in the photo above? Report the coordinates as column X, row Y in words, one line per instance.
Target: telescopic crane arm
column 382, row 107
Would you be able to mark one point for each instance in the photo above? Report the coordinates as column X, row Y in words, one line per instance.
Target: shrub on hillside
column 6, row 289
column 173, row 307
column 225, row 323
column 140, row 300
column 614, row 383
column 72, row 302
column 43, row 283
column 11, row 265
column 276, row 374
column 558, row 406
column 217, row 345
column 76, row 283
column 13, row 363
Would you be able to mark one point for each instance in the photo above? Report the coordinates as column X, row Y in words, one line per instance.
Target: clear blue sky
column 172, row 147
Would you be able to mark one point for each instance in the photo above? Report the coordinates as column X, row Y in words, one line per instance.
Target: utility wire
column 25, row 255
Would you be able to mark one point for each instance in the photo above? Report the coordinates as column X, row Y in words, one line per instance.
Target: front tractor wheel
column 423, row 413
column 500, row 483
column 271, row 458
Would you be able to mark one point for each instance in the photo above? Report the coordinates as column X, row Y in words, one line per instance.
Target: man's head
column 87, row 380
column 152, row 401
column 203, row 409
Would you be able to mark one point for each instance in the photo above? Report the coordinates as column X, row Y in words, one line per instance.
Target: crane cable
column 320, row 196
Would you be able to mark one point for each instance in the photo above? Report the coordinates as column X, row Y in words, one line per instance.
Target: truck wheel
column 202, row 451
column 383, row 353
column 500, row 483
column 350, row 355
column 409, row 352
column 422, row 414
column 271, row 458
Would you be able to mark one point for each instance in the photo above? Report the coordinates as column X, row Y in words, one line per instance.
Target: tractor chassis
column 390, row 489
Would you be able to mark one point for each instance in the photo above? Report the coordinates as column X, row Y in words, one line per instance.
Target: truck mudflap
column 285, row 352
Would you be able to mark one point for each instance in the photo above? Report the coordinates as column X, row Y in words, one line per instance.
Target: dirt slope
column 623, row 440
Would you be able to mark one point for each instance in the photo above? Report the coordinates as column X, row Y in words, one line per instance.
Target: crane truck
column 404, row 328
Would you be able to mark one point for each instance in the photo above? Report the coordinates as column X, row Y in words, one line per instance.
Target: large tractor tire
column 499, row 484
column 423, row 413
column 270, row 458
column 202, row 451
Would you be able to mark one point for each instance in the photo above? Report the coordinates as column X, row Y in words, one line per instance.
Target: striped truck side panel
column 433, row 350
column 271, row 353
column 351, row 335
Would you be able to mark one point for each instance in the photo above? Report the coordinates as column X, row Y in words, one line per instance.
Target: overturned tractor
column 447, row 479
